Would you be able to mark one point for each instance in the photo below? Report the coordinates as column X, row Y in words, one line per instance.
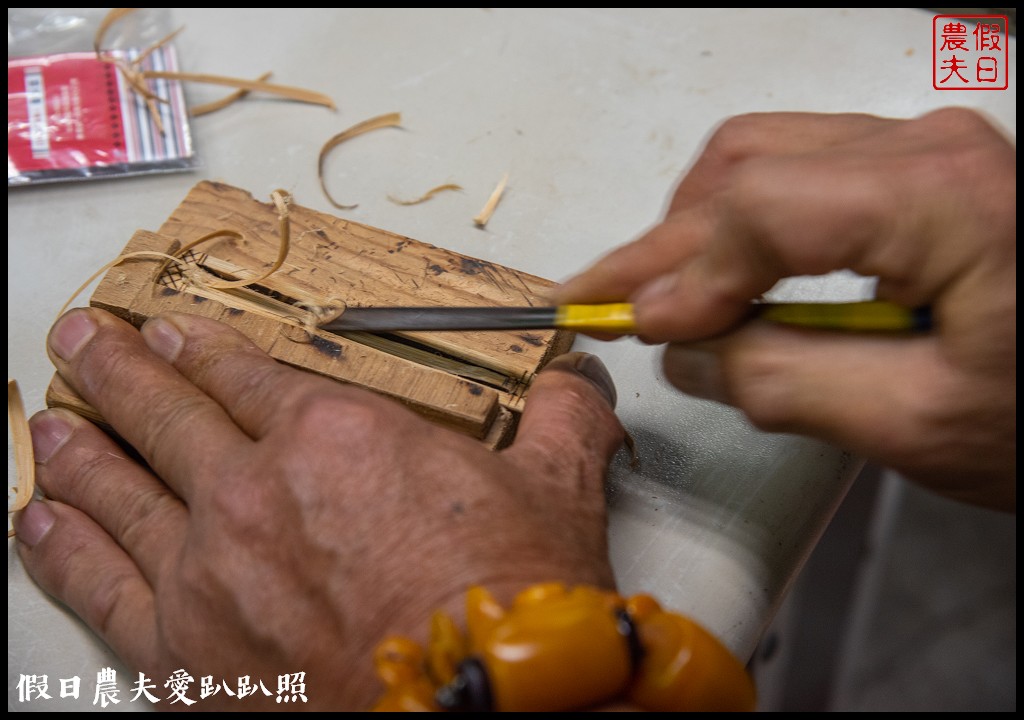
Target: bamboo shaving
column 194, row 274
column 140, row 254
column 202, row 281
column 112, row 17
column 198, row 277
column 485, row 214
column 317, row 314
column 286, row 91
column 381, row 121
column 138, row 84
column 136, row 77
column 234, row 97
column 158, row 44
column 281, row 200
column 24, row 459
column 130, row 71
column 426, row 196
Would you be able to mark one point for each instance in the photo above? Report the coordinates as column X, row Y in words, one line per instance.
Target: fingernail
column 49, row 433
column 164, row 338
column 590, row 367
column 71, row 332
column 33, row 523
column 695, row 372
column 655, row 289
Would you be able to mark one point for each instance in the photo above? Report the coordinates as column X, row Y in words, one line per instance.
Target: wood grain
column 338, row 261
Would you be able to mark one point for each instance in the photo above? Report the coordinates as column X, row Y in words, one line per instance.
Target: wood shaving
column 426, row 196
column 24, row 458
column 485, row 214
column 381, row 121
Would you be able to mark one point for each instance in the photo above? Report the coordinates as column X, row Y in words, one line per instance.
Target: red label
column 73, row 115
column 63, row 111
column 970, row 52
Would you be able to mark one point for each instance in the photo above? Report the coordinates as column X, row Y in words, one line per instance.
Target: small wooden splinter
column 24, row 458
column 484, row 215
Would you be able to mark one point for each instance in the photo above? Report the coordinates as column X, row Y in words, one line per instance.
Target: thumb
column 569, row 422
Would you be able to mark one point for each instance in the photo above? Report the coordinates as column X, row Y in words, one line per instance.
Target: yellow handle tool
column 618, row 318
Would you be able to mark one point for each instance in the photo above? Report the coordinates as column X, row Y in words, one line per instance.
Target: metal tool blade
column 394, row 319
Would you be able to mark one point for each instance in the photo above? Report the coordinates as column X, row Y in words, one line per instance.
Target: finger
column 892, row 205
column 159, row 412
column 620, row 273
column 74, row 560
column 876, row 396
column 78, row 465
column 568, row 423
column 688, row 223
column 765, row 134
column 783, row 217
column 900, row 401
column 251, row 386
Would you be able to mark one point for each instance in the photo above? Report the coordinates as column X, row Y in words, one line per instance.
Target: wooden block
column 473, row 382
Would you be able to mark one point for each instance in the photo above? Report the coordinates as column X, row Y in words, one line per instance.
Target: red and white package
column 72, row 116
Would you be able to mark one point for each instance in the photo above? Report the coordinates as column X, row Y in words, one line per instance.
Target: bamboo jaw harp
column 618, row 318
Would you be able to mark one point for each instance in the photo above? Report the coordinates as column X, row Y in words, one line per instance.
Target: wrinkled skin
column 285, row 522
column 282, row 523
column 928, row 206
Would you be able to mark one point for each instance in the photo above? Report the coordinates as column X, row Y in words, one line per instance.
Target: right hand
column 926, row 205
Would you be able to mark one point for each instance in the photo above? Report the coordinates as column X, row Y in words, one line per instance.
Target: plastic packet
column 72, row 116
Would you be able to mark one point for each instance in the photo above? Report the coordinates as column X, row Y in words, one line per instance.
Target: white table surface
column 595, row 114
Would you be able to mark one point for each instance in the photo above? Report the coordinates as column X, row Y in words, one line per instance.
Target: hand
column 285, row 522
column 928, row 206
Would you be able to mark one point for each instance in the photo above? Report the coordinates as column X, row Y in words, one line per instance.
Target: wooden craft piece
column 472, row 382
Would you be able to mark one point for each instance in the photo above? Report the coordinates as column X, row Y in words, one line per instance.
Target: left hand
column 285, row 523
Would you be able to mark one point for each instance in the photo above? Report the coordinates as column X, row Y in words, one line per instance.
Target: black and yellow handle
column 618, row 318
column 866, row 316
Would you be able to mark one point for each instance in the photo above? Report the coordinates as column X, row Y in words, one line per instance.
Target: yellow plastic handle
column 611, row 317
column 867, row 316
column 870, row 315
